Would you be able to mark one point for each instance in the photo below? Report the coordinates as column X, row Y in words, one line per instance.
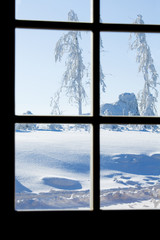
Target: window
column 129, row 167
column 40, row 80
column 102, row 119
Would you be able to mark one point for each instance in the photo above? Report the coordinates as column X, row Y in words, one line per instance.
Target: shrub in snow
column 25, row 126
column 28, row 113
column 55, row 127
column 126, row 105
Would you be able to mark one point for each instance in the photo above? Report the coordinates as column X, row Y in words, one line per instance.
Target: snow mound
column 19, row 187
column 126, row 105
column 62, row 183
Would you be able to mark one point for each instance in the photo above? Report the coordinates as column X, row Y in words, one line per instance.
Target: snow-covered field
column 52, row 169
column 130, row 169
column 61, row 157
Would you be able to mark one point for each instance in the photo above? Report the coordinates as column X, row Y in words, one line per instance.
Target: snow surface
column 146, row 204
column 129, row 142
column 130, row 169
column 130, row 161
column 41, row 154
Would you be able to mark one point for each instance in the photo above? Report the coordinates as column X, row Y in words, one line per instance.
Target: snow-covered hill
column 126, row 105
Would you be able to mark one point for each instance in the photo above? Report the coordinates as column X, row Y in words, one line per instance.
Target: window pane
column 53, row 72
column 130, row 166
column 130, row 66
column 53, row 10
column 124, row 11
column 52, row 166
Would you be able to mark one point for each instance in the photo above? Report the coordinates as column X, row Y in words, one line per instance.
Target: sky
column 38, row 76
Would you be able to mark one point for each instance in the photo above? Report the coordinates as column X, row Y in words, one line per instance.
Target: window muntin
column 124, row 11
column 40, row 76
column 130, row 167
column 53, row 166
column 52, row 10
column 125, row 76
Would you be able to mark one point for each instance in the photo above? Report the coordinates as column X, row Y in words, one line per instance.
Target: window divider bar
column 96, row 106
column 87, row 119
column 54, row 119
column 49, row 25
column 121, row 27
column 96, row 11
column 129, row 120
column 87, row 26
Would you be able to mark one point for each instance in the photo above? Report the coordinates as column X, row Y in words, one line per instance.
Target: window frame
column 96, row 27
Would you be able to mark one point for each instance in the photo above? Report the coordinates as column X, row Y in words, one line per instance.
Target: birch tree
column 148, row 96
column 102, row 76
column 72, row 81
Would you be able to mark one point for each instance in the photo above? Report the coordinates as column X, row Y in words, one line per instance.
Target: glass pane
column 53, row 10
column 124, row 11
column 130, row 66
column 52, row 166
column 130, row 166
column 53, row 72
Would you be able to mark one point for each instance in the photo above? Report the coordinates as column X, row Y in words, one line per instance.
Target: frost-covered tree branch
column 102, row 76
column 148, row 96
column 72, row 81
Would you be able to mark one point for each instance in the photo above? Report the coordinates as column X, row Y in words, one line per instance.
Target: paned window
column 84, row 105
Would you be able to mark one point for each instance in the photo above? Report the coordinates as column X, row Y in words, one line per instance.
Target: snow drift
column 126, row 105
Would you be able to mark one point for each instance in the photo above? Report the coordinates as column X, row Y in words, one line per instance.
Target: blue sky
column 125, row 11
column 52, row 10
column 120, row 66
column 38, row 77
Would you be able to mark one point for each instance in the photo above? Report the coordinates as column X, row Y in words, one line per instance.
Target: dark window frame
column 95, row 27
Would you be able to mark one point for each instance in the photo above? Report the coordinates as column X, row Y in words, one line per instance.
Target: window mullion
column 96, row 106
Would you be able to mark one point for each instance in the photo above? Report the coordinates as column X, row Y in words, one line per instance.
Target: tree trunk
column 79, row 100
column 80, row 107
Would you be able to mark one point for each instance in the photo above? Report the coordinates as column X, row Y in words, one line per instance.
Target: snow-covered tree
column 72, row 82
column 147, row 98
column 102, row 76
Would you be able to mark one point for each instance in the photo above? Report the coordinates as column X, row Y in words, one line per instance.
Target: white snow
column 129, row 142
column 67, row 154
column 126, row 105
column 146, row 204
column 42, row 154
column 116, row 147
